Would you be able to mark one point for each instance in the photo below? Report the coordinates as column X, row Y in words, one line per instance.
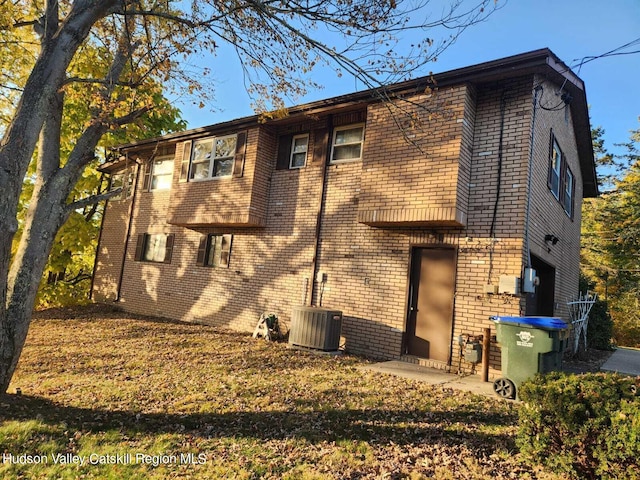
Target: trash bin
column 529, row 345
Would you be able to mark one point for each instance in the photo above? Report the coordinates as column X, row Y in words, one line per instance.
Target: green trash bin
column 529, row 345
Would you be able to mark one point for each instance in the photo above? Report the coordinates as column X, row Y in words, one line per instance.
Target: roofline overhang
column 543, row 62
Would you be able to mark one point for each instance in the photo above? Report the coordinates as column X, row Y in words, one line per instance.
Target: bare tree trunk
column 48, row 210
column 45, row 216
column 40, row 103
column 44, row 220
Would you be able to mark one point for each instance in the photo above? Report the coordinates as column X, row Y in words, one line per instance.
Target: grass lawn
column 141, row 398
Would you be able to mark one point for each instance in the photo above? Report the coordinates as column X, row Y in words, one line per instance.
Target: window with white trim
column 299, row 148
column 347, row 143
column 569, row 189
column 555, row 169
column 213, row 157
column 123, row 180
column 162, row 173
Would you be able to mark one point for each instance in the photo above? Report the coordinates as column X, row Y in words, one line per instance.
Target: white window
column 299, row 148
column 347, row 143
column 162, row 173
column 555, row 167
column 123, row 180
column 568, row 192
column 213, row 157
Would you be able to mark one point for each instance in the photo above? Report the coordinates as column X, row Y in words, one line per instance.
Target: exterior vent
column 315, row 327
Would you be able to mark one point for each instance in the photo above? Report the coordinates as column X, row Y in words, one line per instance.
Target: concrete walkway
column 469, row 383
column 625, row 361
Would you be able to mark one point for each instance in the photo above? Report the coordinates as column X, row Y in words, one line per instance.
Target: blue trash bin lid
column 544, row 323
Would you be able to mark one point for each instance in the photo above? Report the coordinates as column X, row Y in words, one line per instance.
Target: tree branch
column 132, row 116
column 92, row 200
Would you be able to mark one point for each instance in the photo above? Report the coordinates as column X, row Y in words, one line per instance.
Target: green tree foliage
column 67, row 275
column 611, row 240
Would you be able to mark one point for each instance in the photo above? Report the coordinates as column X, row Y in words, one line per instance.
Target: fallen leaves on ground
column 97, row 381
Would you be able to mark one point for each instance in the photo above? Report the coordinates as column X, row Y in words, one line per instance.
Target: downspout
column 536, row 90
column 128, row 235
column 323, row 188
column 95, row 259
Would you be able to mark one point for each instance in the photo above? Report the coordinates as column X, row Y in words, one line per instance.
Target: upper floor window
column 569, row 189
column 347, row 143
column 123, row 180
column 561, row 180
column 213, row 157
column 555, row 168
column 162, row 173
column 154, row 247
column 299, row 147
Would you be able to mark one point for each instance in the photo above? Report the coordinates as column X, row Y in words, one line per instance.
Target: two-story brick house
column 418, row 218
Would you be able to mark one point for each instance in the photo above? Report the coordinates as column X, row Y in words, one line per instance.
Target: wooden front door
column 430, row 319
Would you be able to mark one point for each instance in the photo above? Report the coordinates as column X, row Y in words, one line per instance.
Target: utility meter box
column 473, row 352
column 509, row 284
column 530, row 281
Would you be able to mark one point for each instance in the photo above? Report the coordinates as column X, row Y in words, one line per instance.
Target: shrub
column 600, row 327
column 584, row 426
column 626, row 320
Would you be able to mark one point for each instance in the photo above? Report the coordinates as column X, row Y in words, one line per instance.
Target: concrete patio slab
column 433, row 376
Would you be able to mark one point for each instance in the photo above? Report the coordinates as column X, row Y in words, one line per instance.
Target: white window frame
column 122, row 180
column 335, row 136
column 556, row 173
column 299, row 152
column 213, row 157
column 567, row 200
column 168, row 175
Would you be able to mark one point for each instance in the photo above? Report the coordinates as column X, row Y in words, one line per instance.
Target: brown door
column 430, row 320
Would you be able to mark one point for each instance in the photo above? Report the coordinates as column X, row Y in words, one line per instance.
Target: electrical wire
column 610, row 53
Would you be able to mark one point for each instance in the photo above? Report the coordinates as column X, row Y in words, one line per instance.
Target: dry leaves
column 98, row 380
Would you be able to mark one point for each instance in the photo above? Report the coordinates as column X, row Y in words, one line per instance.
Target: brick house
column 418, row 218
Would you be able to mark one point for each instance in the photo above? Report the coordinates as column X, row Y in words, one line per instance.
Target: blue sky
column 572, row 29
